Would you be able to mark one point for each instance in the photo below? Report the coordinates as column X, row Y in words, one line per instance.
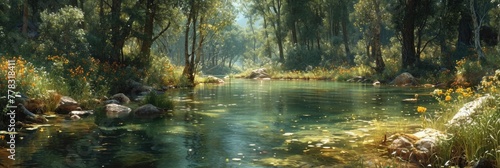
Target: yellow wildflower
column 447, row 98
column 421, row 109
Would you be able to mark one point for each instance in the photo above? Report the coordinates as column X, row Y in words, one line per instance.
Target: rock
column 81, row 113
column 213, row 79
column 400, row 147
column 35, row 105
column 359, row 79
column 470, row 109
column 66, row 105
column 120, row 97
column 111, row 101
column 417, row 147
column 66, row 108
column 404, row 79
column 75, row 117
column 117, row 111
column 483, row 163
column 259, row 73
column 148, row 111
column 134, row 88
column 67, row 100
column 24, row 115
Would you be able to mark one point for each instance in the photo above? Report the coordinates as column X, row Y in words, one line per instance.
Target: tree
column 202, row 18
column 61, row 33
column 369, row 20
column 412, row 19
column 479, row 10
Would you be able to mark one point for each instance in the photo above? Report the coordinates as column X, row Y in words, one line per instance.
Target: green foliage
column 299, row 58
column 62, row 34
column 469, row 72
column 159, row 100
column 162, row 72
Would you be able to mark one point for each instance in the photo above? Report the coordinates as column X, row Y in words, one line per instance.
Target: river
column 241, row 123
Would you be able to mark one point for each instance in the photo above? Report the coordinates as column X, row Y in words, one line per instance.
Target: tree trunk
column 147, row 39
column 345, row 20
column 278, row 29
column 294, row 33
column 266, row 36
column 189, row 67
column 408, row 34
column 115, row 30
column 376, row 48
column 25, row 19
column 477, row 28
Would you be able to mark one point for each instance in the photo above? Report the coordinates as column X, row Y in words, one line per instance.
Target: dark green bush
column 299, row 58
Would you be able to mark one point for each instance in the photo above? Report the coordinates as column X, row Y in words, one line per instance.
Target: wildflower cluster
column 459, row 94
column 490, row 84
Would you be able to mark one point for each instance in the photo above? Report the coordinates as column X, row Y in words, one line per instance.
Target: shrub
column 469, row 72
column 299, row 58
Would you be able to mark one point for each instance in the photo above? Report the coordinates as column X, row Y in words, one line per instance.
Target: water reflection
column 245, row 123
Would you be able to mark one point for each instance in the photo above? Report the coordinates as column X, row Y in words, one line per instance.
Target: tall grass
column 475, row 141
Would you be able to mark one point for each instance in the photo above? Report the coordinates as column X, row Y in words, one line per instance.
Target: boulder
column 213, row 79
column 134, row 88
column 417, row 147
column 148, row 111
column 121, row 98
column 470, row 109
column 66, row 108
column 67, row 100
column 404, row 79
column 117, row 111
column 259, row 73
column 66, row 105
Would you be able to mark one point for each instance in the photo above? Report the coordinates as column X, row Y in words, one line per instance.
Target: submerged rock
column 359, row 79
column 417, row 147
column 148, row 111
column 117, row 111
column 404, row 79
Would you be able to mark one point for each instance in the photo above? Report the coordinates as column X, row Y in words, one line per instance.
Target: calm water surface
column 242, row 123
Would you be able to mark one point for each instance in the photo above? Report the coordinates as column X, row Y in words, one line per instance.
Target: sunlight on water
column 246, row 123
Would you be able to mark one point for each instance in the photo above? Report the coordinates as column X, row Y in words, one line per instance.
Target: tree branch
column 162, row 31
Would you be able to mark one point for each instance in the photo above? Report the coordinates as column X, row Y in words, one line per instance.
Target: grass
column 479, row 140
column 159, row 100
column 340, row 73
